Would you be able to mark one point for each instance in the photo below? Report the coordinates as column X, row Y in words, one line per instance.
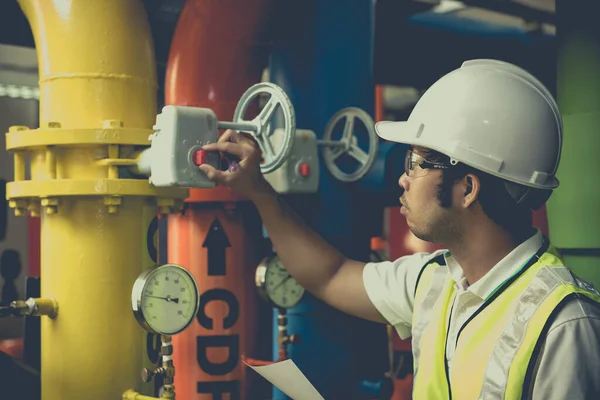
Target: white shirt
column 391, row 286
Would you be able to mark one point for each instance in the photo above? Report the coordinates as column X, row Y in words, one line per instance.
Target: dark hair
column 495, row 200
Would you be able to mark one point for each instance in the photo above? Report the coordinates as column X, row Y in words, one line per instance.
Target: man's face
column 425, row 217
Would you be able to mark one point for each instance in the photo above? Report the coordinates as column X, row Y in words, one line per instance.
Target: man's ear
column 472, row 188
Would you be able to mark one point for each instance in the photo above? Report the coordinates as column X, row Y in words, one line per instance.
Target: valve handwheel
column 273, row 158
column 348, row 144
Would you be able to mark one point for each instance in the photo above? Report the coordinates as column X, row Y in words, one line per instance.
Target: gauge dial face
column 282, row 289
column 168, row 301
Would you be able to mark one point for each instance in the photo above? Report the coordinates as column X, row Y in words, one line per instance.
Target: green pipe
column 573, row 217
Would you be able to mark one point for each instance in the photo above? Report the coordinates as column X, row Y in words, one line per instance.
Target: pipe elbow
column 114, row 67
column 218, row 47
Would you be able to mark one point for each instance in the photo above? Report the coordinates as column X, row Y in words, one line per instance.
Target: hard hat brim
column 407, row 132
column 411, row 133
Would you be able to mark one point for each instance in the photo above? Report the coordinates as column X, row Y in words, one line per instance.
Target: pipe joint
column 55, row 156
column 33, row 307
column 166, row 371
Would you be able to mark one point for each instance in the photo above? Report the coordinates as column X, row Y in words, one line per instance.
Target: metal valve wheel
column 348, row 144
column 273, row 157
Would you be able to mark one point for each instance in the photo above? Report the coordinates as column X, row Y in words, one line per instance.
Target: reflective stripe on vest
column 494, row 347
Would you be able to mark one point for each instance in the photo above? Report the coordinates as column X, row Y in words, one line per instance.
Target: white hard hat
column 491, row 115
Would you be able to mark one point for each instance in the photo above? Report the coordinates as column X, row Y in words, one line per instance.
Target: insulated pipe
column 573, row 217
column 217, row 53
column 97, row 100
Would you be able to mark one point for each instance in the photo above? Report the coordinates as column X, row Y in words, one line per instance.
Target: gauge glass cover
column 282, row 289
column 167, row 299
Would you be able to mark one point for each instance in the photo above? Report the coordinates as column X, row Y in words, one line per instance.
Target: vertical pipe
column 209, row 361
column 323, row 59
column 573, row 219
column 96, row 63
column 218, row 51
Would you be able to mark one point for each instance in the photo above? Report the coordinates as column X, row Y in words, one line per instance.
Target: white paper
column 288, row 378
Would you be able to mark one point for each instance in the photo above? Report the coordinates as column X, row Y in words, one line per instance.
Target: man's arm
column 314, row 263
column 568, row 366
column 380, row 292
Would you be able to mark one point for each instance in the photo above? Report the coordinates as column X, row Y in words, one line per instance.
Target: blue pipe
column 323, row 59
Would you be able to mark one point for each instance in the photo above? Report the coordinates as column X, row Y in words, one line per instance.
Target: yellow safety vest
column 495, row 345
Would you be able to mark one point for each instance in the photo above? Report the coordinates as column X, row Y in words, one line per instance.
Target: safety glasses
column 416, row 166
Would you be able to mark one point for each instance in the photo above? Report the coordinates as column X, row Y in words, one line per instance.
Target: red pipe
column 540, row 220
column 218, row 51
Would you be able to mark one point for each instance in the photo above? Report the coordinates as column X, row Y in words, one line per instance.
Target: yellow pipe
column 96, row 61
column 97, row 71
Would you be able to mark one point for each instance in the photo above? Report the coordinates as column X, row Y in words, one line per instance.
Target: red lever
column 304, row 170
column 199, row 157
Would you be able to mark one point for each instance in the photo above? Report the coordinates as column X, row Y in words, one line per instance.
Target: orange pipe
column 218, row 51
column 208, row 355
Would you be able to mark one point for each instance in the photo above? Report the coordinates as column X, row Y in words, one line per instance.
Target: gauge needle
column 282, row 282
column 168, row 298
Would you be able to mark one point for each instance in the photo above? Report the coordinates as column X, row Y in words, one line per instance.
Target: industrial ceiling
column 434, row 36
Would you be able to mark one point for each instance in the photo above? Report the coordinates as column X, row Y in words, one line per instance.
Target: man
column 496, row 315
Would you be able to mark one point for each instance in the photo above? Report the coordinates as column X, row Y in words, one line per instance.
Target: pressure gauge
column 275, row 283
column 165, row 299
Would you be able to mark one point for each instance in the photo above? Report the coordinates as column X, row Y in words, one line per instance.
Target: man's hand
column 247, row 178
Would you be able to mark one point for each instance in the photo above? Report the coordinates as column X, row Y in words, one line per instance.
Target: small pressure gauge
column 165, row 299
column 275, row 283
